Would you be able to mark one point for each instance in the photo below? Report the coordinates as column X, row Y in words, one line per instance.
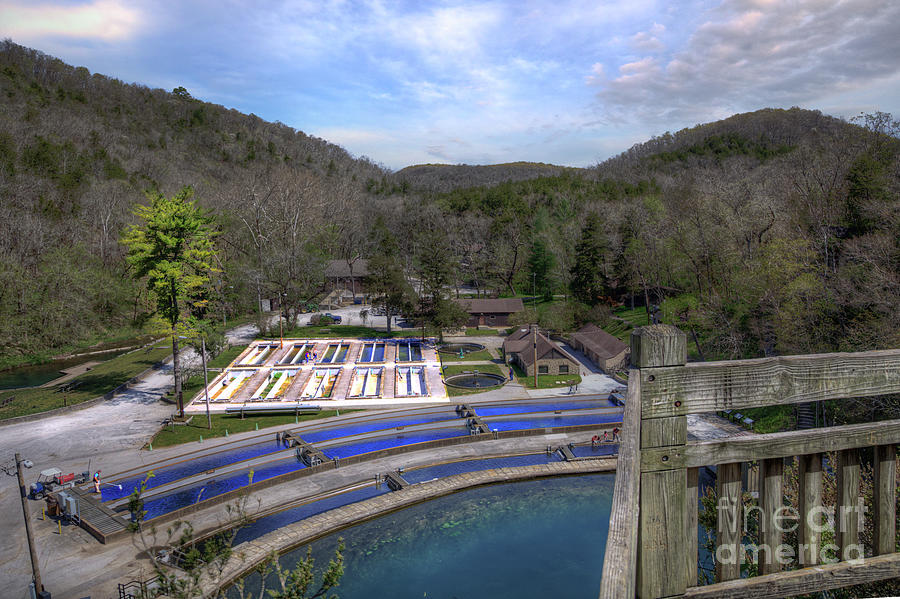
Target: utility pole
column 38, row 587
column 205, row 380
column 534, row 344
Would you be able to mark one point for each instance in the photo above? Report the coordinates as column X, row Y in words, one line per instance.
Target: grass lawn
column 94, row 383
column 464, row 368
column 478, row 356
column 546, row 381
column 771, row 419
column 228, row 422
column 637, row 316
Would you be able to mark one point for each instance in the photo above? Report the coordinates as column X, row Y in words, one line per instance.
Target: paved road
column 106, row 436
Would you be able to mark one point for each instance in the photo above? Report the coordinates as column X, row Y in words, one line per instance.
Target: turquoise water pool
column 540, row 538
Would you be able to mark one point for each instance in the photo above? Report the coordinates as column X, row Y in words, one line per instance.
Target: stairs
column 806, row 415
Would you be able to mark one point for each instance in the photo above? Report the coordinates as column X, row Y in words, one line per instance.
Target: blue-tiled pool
column 157, row 506
column 539, row 407
column 190, row 467
column 398, row 440
column 510, row 424
column 366, row 427
column 586, row 451
column 441, row 470
column 267, row 524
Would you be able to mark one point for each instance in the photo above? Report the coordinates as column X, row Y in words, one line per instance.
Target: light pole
column 205, row 378
column 32, row 550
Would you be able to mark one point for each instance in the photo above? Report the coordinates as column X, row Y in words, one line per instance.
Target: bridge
column 652, row 548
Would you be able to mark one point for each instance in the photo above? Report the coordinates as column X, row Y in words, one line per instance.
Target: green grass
column 94, row 383
column 228, row 422
column 637, row 316
column 478, row 356
column 771, row 419
column 545, row 381
column 226, row 357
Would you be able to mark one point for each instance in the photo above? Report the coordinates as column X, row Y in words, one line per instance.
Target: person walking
column 97, row 481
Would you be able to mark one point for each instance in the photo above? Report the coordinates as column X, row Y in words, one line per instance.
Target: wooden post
column 771, row 500
column 692, row 508
column 885, row 485
column 662, row 566
column 847, row 517
column 728, row 522
column 809, row 469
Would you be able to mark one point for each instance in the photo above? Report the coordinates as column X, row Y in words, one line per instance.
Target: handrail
column 655, row 499
column 620, row 560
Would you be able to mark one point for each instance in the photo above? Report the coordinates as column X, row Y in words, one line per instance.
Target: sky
column 568, row 82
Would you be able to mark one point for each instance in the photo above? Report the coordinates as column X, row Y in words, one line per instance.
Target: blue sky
column 567, row 82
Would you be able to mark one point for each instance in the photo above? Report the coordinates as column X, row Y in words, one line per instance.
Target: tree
column 387, row 282
column 173, row 249
column 589, row 281
column 541, row 262
column 201, row 563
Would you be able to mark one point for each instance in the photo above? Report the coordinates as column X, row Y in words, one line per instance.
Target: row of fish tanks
column 337, row 352
column 202, row 476
column 318, row 383
column 211, row 471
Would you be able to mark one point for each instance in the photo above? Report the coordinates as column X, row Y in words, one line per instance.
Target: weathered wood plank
column 771, row 500
column 660, row 571
column 804, row 581
column 728, row 522
column 848, row 505
column 714, row 386
column 885, row 486
column 663, row 432
column 690, row 525
column 810, row 502
column 658, row 345
column 772, row 445
column 620, row 561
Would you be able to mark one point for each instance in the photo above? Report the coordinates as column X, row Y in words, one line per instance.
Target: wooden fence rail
column 652, row 544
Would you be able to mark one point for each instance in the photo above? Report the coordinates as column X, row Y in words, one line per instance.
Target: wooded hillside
column 776, row 231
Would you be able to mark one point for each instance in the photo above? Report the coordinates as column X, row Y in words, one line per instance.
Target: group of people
column 606, row 438
column 311, row 357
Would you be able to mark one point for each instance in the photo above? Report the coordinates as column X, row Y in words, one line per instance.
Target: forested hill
column 776, row 231
column 448, row 177
column 78, row 151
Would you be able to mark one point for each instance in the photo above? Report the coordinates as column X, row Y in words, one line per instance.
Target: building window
column 564, row 369
column 543, row 369
column 491, row 317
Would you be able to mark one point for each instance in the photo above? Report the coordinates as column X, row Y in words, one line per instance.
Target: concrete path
column 106, row 436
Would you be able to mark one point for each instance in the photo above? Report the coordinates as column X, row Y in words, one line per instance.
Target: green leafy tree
column 589, row 282
column 172, row 248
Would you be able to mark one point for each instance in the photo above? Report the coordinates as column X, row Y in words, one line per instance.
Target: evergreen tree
column 386, row 280
column 589, row 282
column 541, row 262
column 173, row 250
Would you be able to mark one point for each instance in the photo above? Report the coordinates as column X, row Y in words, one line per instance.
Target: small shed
column 604, row 350
column 490, row 312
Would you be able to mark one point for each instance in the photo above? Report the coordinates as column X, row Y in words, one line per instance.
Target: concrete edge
column 248, row 556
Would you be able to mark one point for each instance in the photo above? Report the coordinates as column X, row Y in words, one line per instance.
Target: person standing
column 97, row 481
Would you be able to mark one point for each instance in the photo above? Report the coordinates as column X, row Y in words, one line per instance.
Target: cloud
column 107, row 20
column 648, row 41
column 752, row 53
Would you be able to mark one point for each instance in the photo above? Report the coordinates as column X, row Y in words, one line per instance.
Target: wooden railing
column 651, row 549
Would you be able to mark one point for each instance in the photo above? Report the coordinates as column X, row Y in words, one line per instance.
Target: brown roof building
column 340, row 275
column 604, row 350
column 519, row 348
column 491, row 312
